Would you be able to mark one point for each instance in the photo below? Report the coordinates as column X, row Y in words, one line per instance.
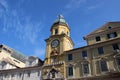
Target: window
column 53, row 74
column 109, row 27
column 68, row 44
column 38, row 73
column 98, row 38
column 4, row 65
column 70, row 71
column 86, row 68
column 84, row 54
column 115, row 46
column 118, row 61
column 20, row 74
column 30, row 63
column 100, row 50
column 56, row 31
column 69, row 57
column 68, row 33
column 13, row 75
column 103, row 65
column 5, row 75
column 28, row 74
column 112, row 35
column 53, row 59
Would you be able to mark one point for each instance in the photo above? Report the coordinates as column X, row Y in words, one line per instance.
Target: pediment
column 106, row 26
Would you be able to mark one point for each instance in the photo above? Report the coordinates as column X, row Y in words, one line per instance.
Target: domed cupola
column 60, row 20
column 60, row 26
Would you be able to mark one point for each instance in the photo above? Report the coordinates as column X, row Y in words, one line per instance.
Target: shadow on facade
column 115, row 76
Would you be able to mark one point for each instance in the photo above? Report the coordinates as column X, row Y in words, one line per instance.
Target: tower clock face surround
column 55, row 43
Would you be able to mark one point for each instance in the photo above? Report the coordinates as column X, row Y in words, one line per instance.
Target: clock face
column 55, row 43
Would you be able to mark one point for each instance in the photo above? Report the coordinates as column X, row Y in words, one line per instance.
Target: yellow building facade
column 56, row 44
column 100, row 57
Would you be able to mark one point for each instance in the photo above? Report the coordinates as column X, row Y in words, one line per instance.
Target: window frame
column 70, row 71
column 100, row 50
column 112, row 35
column 98, row 38
column 115, row 46
column 56, row 31
column 83, row 68
column 70, row 57
column 28, row 74
column 118, row 62
column 84, row 54
column 54, row 59
column 102, row 66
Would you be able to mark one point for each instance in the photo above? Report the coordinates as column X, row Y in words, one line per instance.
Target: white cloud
column 3, row 4
column 92, row 7
column 21, row 25
column 72, row 4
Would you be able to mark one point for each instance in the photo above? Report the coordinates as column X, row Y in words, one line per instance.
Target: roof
column 14, row 53
column 117, row 40
column 60, row 21
column 105, row 27
column 21, row 69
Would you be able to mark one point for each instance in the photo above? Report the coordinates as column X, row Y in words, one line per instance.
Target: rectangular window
column 112, row 35
column 103, row 65
column 100, row 50
column 115, row 46
column 118, row 61
column 20, row 74
column 28, row 74
column 56, row 31
column 6, row 75
column 54, row 60
column 98, row 38
column 86, row 68
column 38, row 73
column 13, row 75
column 70, row 71
column 69, row 57
column 84, row 54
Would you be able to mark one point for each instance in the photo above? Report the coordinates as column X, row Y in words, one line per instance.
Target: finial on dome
column 60, row 16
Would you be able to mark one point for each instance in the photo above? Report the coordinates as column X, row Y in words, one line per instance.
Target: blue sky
column 25, row 24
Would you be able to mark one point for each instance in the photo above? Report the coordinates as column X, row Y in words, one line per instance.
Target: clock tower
column 58, row 42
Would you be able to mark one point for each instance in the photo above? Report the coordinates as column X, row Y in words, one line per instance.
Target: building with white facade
column 32, row 71
column 10, row 58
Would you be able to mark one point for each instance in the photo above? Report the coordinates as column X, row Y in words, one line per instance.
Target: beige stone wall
column 91, row 40
column 93, row 58
column 61, row 30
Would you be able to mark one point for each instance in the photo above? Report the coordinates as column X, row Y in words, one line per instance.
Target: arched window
column 103, row 66
column 117, row 62
column 3, row 65
column 86, row 68
column 56, row 31
column 70, row 70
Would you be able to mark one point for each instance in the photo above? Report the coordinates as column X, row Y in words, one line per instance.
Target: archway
column 54, row 74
